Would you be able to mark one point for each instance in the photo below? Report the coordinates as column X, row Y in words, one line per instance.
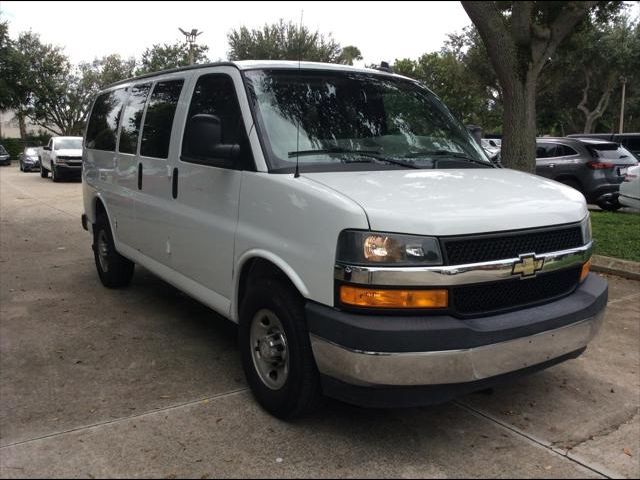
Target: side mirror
column 203, row 142
column 46, row 148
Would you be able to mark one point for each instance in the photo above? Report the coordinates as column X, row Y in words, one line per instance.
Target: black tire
column 55, row 174
column 610, row 206
column 43, row 172
column 301, row 392
column 114, row 270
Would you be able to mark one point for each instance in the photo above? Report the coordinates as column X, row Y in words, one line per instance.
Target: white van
column 348, row 223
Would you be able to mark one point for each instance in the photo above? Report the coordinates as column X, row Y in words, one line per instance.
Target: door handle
column 552, row 165
column 174, row 184
column 140, row 176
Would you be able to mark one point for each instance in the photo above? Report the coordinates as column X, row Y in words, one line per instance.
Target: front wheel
column 276, row 351
column 43, row 172
column 114, row 270
column 55, row 174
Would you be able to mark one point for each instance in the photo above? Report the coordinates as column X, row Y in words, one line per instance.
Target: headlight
column 361, row 247
column 586, row 229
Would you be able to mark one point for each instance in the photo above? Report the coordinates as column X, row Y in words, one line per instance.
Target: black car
column 594, row 167
column 5, row 158
column 29, row 159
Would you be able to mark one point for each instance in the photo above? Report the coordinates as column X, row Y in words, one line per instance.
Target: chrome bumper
column 451, row 366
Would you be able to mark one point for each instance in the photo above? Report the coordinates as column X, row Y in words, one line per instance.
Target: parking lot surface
column 147, row 382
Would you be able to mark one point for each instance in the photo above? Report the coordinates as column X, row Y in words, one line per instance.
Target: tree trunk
column 22, row 125
column 519, row 128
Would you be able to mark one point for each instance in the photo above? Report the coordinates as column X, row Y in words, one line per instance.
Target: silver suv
column 596, row 168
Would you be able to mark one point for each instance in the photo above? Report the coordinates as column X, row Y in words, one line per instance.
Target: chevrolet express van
column 347, row 222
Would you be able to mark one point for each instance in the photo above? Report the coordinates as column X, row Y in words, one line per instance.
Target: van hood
column 455, row 202
column 69, row 152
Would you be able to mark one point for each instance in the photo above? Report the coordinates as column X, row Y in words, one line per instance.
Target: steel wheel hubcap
column 269, row 349
column 103, row 251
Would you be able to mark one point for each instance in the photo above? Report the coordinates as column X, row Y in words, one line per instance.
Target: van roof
column 255, row 64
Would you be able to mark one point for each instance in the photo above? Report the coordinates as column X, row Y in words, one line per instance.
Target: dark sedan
column 30, row 159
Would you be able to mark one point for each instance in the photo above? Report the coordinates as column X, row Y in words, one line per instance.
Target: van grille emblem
column 528, row 265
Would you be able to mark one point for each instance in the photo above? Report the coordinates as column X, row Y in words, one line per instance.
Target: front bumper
column 382, row 353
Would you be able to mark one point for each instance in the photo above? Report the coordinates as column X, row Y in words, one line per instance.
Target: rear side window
column 105, row 116
column 132, row 118
column 156, row 133
column 546, row 150
column 564, row 151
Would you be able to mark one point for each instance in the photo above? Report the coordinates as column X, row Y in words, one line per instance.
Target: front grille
column 486, row 248
column 486, row 298
column 70, row 159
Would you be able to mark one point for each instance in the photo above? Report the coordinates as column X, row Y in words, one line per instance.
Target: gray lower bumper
column 451, row 366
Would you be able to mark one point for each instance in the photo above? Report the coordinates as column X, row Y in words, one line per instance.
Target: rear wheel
column 43, row 172
column 114, row 270
column 276, row 351
column 610, row 205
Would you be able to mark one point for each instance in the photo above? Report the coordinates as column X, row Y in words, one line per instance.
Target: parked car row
column 62, row 156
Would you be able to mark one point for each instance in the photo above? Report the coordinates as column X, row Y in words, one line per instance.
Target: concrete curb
column 616, row 266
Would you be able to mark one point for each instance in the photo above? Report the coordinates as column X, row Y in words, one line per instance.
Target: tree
column 460, row 75
column 520, row 37
column 165, row 56
column 287, row 41
column 349, row 54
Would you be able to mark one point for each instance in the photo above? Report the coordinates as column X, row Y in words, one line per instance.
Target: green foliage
column 165, row 56
column 616, row 234
column 461, row 76
column 287, row 41
column 15, row 146
column 349, row 54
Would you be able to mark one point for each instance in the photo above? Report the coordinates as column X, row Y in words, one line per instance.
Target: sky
column 86, row 30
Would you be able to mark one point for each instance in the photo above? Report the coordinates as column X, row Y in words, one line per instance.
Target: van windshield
column 332, row 121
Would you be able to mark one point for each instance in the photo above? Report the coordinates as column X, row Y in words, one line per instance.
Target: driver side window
column 214, row 94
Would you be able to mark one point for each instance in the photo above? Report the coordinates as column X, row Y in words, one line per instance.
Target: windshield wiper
column 446, row 153
column 372, row 154
column 320, row 151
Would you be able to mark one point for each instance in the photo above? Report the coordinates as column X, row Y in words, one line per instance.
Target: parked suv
column 596, row 168
column 62, row 157
column 347, row 222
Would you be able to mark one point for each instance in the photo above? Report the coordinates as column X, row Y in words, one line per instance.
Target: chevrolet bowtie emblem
column 528, row 265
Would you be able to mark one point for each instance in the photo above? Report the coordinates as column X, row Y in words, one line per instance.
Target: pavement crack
column 129, row 417
column 570, row 444
column 537, row 441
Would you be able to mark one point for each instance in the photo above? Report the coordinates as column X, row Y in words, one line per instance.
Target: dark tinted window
column 216, row 95
column 156, row 132
column 632, row 144
column 545, row 150
column 132, row 118
column 564, row 151
column 103, row 124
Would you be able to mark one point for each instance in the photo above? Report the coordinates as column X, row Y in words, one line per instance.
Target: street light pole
column 191, row 40
column 624, row 85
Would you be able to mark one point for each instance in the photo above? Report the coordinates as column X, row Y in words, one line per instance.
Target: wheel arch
column 257, row 263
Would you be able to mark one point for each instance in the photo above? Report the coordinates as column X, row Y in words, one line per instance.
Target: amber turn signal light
column 585, row 270
column 377, row 298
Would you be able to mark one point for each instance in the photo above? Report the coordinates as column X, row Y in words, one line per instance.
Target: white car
column 62, row 156
column 630, row 188
column 347, row 222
